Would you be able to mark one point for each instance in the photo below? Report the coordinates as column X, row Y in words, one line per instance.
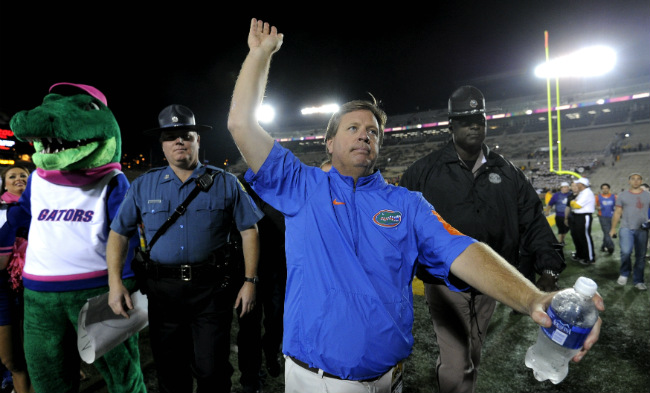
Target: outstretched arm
column 253, row 141
column 485, row 270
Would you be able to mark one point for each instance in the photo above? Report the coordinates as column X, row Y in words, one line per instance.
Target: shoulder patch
column 387, row 218
column 446, row 225
column 241, row 186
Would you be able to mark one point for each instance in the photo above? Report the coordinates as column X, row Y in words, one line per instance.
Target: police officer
column 486, row 197
column 189, row 288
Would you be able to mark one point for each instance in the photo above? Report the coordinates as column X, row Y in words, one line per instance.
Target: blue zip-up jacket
column 351, row 255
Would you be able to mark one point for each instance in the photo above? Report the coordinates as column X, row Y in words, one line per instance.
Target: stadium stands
column 598, row 130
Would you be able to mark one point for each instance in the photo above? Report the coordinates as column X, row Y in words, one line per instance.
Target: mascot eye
column 91, row 106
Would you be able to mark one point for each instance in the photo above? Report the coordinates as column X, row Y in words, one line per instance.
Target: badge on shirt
column 494, row 178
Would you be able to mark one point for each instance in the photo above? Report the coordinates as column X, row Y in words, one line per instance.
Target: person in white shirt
column 582, row 208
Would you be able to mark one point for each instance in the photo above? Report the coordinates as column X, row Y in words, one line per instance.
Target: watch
column 254, row 280
column 551, row 273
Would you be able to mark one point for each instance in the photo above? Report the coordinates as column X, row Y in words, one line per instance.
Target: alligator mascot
column 68, row 205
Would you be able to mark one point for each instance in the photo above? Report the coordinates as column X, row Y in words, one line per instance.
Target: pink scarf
column 9, row 197
column 79, row 177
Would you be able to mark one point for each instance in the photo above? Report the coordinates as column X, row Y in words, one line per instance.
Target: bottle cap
column 585, row 286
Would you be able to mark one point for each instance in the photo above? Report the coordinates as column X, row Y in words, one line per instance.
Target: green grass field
column 619, row 362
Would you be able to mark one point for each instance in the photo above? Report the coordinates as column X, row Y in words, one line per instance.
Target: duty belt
column 184, row 272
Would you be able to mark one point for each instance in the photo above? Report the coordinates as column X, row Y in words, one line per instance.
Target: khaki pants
column 460, row 331
column 300, row 380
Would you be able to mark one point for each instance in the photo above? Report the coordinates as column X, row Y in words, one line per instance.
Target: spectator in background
column 12, row 355
column 582, row 209
column 605, row 202
column 486, row 197
column 559, row 201
column 568, row 217
column 632, row 211
column 547, row 196
column 352, row 244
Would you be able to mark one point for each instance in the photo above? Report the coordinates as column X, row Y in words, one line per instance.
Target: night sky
column 409, row 57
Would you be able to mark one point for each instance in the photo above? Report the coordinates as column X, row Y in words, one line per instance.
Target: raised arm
column 253, row 141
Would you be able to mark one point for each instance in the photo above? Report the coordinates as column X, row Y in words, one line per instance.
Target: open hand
column 264, row 36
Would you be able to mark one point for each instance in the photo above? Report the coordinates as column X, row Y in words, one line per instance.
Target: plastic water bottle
column 573, row 314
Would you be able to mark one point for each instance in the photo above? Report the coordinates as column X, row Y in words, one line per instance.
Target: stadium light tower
column 591, row 61
column 329, row 108
column 265, row 113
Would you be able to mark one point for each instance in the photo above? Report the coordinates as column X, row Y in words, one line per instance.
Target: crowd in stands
column 591, row 136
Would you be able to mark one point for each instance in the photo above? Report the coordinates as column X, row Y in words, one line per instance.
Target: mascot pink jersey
column 68, row 205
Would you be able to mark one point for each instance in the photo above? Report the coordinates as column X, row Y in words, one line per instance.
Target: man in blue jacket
column 352, row 241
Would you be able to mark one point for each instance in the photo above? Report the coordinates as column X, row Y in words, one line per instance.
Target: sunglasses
column 468, row 121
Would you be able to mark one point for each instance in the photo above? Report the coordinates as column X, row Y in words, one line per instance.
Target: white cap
column 564, row 184
column 584, row 181
column 585, row 286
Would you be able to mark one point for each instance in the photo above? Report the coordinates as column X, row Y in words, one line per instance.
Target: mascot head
column 72, row 129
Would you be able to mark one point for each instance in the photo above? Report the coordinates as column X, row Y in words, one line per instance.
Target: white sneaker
column 640, row 286
column 622, row 280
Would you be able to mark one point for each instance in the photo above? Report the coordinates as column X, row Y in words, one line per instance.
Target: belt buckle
column 186, row 272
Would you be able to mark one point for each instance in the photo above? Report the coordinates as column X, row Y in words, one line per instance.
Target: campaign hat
column 466, row 101
column 176, row 118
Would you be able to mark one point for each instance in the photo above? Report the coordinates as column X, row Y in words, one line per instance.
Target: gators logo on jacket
column 387, row 218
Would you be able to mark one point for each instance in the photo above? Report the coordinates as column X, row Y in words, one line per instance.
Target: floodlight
column 329, row 108
column 265, row 113
column 591, row 61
